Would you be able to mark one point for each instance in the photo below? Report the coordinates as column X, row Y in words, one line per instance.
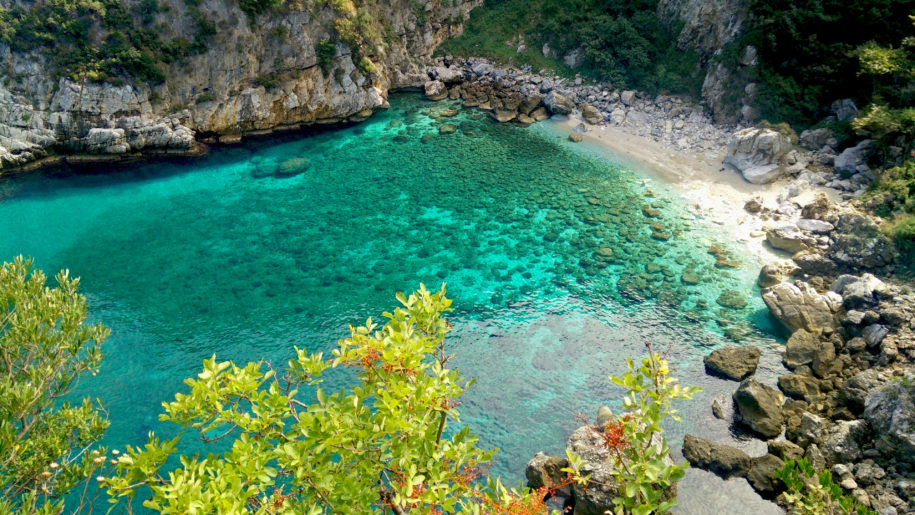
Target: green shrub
column 254, row 7
column 809, row 493
column 326, row 50
column 902, row 232
column 268, row 81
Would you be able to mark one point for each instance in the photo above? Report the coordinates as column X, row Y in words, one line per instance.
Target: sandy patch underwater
column 561, row 264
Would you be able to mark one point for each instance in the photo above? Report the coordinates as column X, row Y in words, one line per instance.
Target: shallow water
column 561, row 263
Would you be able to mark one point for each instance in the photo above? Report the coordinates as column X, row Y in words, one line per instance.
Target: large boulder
column 856, row 389
column 762, row 475
column 591, row 114
column 596, row 498
column 757, row 154
column 800, row 306
column 802, row 348
column 435, row 90
column 759, row 406
column 723, row 460
column 842, row 443
column 558, row 104
column 733, row 362
column 858, row 292
column 890, row 409
column 799, row 386
column 447, row 75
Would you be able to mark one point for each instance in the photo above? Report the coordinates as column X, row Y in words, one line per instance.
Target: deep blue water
column 254, row 249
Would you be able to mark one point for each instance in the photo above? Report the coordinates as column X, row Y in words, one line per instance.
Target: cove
column 560, row 262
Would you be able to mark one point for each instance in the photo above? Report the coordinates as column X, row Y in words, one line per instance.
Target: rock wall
column 218, row 94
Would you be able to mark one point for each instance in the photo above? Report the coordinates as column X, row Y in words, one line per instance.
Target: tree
column 382, row 445
column 45, row 345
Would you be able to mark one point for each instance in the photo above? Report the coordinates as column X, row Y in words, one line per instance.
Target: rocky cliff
column 255, row 74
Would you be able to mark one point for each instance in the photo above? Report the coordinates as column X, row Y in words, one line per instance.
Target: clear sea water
column 284, row 242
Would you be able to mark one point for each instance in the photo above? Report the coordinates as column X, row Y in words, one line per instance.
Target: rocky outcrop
column 890, row 409
column 800, row 306
column 247, row 80
column 545, row 470
column 723, row 460
column 757, row 154
column 733, row 362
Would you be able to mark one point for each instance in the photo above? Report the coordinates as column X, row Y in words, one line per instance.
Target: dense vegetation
column 98, row 39
column 383, row 445
column 623, row 42
column 809, row 53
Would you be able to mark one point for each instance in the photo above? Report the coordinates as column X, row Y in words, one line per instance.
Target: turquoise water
column 561, row 263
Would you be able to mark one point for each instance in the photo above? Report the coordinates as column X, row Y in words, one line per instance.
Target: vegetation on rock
column 812, row 493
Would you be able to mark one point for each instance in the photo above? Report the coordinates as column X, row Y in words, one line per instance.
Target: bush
column 809, row 493
column 326, row 51
column 254, row 7
column 902, row 232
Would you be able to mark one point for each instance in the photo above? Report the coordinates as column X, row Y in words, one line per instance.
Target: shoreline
column 714, row 192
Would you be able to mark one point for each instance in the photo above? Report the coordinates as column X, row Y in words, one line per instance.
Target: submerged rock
column 733, row 362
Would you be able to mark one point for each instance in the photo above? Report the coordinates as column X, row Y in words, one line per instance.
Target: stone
column 785, row 449
column 539, row 114
column 503, row 115
column 890, row 410
column 801, row 348
column 859, row 243
column 859, row 292
column 723, row 460
column 867, row 472
column 435, row 90
column 818, row 209
column 754, row 205
column 787, row 238
column 815, row 226
column 617, row 116
column 799, row 386
column 762, row 475
column 545, row 470
column 815, row 457
column 845, row 109
column 591, row 114
column 800, row 306
column 824, row 361
column 575, row 137
column 841, row 443
column 759, row 407
column 811, row 428
column 757, row 154
column 855, row 390
column 604, row 415
column 814, row 263
column 574, row 59
column 448, row 128
column 733, row 362
column 874, row 334
column 558, row 103
column 626, row 97
column 816, row 139
column 769, row 275
column 848, row 483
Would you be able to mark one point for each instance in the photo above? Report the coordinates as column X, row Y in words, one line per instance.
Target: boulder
column 874, row 334
column 447, row 75
column 732, row 299
column 617, row 116
column 762, row 475
column 757, row 154
column 799, row 386
column 596, row 497
column 801, row 349
column 787, row 238
column 558, row 104
column 841, row 444
column 545, row 470
column 856, row 389
column 819, row 208
column 815, row 226
column 858, row 292
column 844, row 109
column 890, row 410
column 626, row 97
column 435, row 90
column 816, row 139
column 785, row 450
column 591, row 114
column 814, row 263
column 723, row 460
column 733, row 362
column 800, row 306
column 769, row 275
column 575, row 137
column 759, row 407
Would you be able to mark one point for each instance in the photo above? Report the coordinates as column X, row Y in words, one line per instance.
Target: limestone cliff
column 254, row 75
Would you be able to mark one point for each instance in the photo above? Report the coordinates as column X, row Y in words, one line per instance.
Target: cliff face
column 708, row 27
column 254, row 75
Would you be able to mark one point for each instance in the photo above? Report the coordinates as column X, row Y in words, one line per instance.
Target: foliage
column 636, row 437
column 326, row 50
column 382, row 445
column 810, row 51
column 254, row 7
column 809, row 493
column 361, row 32
column 45, row 345
column 98, row 40
column 623, row 42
